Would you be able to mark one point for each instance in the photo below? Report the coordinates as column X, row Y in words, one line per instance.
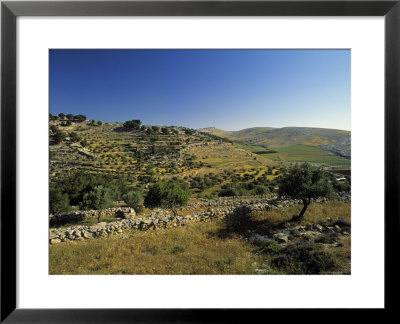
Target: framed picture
column 128, row 121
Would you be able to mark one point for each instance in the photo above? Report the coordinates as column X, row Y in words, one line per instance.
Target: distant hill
column 217, row 132
column 335, row 140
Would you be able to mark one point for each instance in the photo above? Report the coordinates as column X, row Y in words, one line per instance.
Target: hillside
column 205, row 162
column 223, row 212
column 334, row 140
column 201, row 158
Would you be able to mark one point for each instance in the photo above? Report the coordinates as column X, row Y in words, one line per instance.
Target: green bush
column 169, row 195
column 304, row 257
column 328, row 238
column 57, row 135
column 74, row 137
column 132, row 124
column 134, row 198
column 99, row 198
column 58, row 201
column 273, row 248
column 84, row 142
column 78, row 183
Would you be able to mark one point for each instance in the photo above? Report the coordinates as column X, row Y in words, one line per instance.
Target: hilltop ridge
column 334, row 140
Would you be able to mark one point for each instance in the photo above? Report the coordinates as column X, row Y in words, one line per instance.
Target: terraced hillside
column 219, row 208
column 148, row 154
column 334, row 140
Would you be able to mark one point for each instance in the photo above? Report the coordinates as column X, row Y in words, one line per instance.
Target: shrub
column 132, row 124
column 58, row 201
column 74, row 137
column 169, row 195
column 98, row 198
column 304, row 257
column 273, row 248
column 328, row 238
column 261, row 190
column 84, row 142
column 80, row 118
column 133, row 199
column 59, row 136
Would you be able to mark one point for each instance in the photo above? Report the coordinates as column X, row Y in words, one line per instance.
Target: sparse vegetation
column 204, row 248
column 147, row 167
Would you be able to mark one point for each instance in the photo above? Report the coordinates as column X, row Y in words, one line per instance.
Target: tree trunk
column 301, row 215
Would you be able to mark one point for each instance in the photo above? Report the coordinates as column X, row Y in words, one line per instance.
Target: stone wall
column 79, row 233
column 272, row 200
column 160, row 220
column 75, row 217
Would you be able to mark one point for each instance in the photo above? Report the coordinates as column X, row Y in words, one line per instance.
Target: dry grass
column 184, row 250
column 201, row 248
column 315, row 213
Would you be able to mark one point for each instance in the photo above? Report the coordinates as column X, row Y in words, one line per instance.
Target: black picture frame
column 10, row 10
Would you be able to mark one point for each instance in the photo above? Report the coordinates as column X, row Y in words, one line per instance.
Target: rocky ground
column 218, row 208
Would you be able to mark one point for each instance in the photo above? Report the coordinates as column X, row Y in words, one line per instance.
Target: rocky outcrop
column 320, row 233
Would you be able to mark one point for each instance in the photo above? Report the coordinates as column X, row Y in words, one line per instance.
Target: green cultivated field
column 303, row 153
column 250, row 148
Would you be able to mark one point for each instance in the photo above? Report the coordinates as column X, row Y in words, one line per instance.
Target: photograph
column 199, row 161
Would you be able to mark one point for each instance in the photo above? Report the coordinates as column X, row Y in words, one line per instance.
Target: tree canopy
column 74, row 137
column 80, row 118
column 132, row 124
column 59, row 202
column 169, row 195
column 304, row 182
column 134, row 198
column 57, row 135
column 99, row 198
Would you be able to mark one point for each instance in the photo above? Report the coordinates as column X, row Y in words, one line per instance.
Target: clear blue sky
column 228, row 89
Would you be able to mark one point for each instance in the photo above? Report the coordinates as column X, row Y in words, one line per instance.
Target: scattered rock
column 281, row 237
column 318, row 227
column 330, row 229
column 260, row 240
column 161, row 219
column 337, row 228
column 342, row 223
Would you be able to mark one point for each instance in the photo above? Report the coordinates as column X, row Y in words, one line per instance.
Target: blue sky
column 228, row 89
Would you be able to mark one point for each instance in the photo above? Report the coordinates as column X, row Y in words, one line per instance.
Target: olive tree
column 132, row 124
column 59, row 201
column 304, row 182
column 169, row 195
column 99, row 198
column 133, row 198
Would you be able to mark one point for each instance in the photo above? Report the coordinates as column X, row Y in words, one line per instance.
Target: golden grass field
column 200, row 248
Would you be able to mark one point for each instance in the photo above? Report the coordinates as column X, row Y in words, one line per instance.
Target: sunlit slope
column 335, row 140
column 275, row 137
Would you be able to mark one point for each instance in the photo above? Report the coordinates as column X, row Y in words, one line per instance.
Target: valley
column 221, row 191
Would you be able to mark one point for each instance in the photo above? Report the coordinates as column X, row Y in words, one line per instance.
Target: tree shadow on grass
column 243, row 222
